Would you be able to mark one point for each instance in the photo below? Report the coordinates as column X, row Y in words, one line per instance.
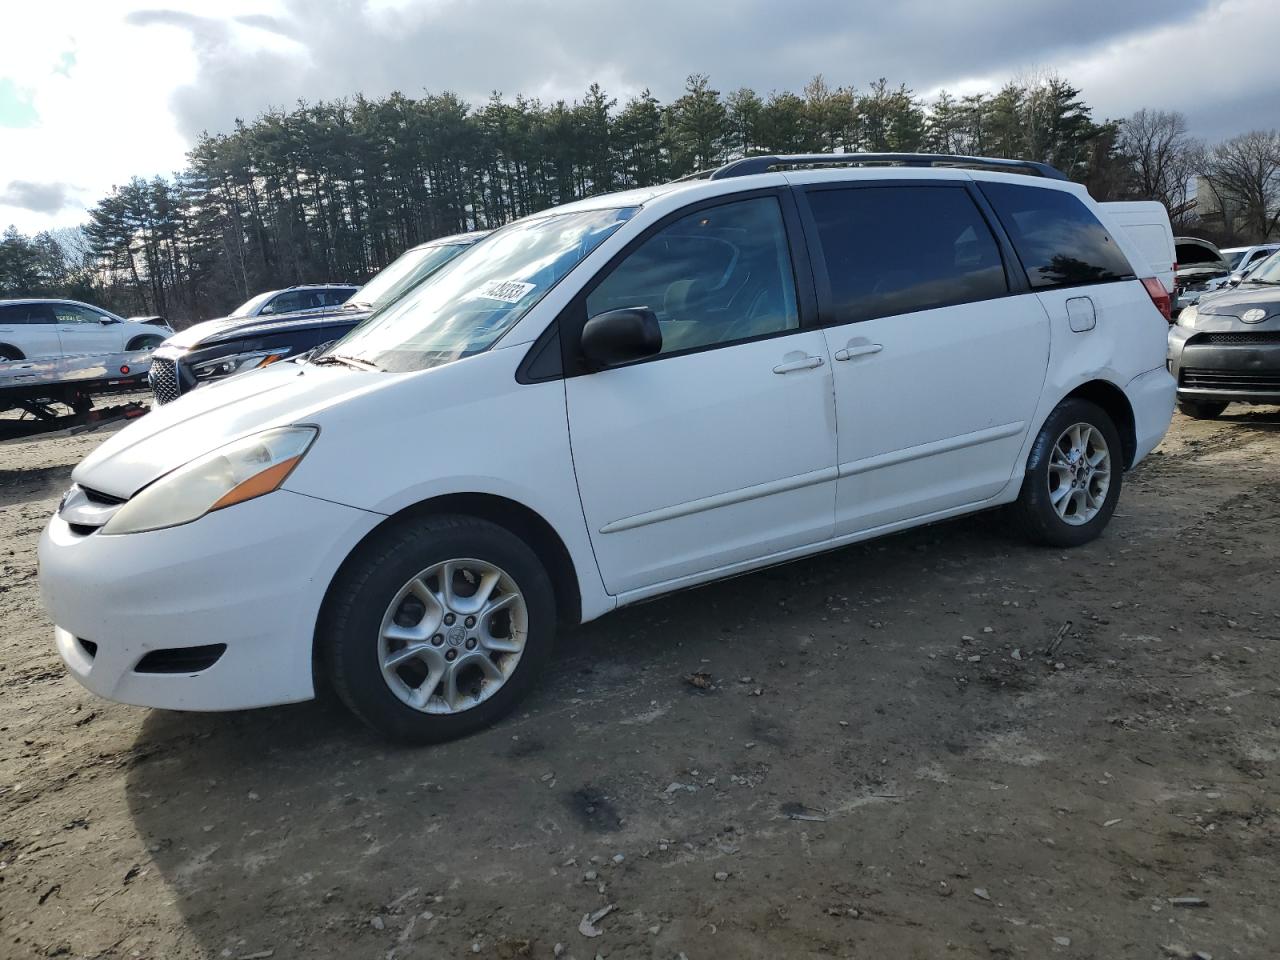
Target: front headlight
column 236, row 363
column 1187, row 318
column 247, row 468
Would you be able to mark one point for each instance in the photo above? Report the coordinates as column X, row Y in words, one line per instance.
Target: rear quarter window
column 1058, row 239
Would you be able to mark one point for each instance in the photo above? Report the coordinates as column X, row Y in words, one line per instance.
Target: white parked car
column 606, row 402
column 1243, row 261
column 35, row 329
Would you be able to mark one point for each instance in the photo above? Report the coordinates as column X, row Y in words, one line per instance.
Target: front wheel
column 1073, row 476
column 1201, row 409
column 144, row 342
column 436, row 628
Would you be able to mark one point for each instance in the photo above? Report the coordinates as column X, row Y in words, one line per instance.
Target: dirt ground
column 886, row 764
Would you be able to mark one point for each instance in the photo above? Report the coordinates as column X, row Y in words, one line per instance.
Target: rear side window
column 26, row 313
column 897, row 249
column 1058, row 239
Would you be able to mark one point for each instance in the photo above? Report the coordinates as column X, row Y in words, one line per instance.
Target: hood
column 1238, row 301
column 211, row 332
column 208, row 418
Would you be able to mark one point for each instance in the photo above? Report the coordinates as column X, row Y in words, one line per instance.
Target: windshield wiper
column 346, row 362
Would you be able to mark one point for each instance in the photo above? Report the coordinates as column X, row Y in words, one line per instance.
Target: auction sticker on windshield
column 508, row 291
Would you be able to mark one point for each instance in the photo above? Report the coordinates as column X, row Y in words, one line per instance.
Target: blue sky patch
column 16, row 109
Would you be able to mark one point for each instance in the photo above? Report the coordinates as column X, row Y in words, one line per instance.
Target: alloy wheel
column 452, row 636
column 1079, row 473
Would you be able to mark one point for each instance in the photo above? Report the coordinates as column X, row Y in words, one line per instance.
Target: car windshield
column 481, row 295
column 1234, row 257
column 248, row 308
column 403, row 274
column 1268, row 271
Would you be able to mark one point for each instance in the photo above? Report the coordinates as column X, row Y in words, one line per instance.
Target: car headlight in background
column 1187, row 318
column 247, row 468
column 236, row 363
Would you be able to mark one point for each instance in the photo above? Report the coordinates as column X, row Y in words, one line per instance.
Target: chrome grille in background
column 164, row 380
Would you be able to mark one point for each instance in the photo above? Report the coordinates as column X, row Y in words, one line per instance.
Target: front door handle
column 862, row 350
column 804, row 363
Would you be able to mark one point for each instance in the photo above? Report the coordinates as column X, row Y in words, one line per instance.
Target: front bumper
column 1240, row 366
column 251, row 577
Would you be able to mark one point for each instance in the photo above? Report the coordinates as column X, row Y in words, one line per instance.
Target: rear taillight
column 1159, row 296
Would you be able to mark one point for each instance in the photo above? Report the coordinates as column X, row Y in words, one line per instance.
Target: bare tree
column 1162, row 157
column 1245, row 174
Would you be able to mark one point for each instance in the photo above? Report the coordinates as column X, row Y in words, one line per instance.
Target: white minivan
column 606, row 402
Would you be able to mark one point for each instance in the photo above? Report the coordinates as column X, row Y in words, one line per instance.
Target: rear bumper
column 1151, row 395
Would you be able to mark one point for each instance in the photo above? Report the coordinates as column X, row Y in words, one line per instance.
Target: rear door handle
column 863, row 350
column 805, row 363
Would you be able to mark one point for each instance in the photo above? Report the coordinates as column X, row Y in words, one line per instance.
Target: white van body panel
column 1145, row 225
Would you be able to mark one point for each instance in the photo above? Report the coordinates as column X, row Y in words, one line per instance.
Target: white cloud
column 102, row 117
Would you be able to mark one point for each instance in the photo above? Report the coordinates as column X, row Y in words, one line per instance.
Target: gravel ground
column 877, row 758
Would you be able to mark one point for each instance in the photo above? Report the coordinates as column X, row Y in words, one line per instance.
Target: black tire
column 1201, row 409
column 144, row 342
column 9, row 353
column 351, row 621
column 1033, row 512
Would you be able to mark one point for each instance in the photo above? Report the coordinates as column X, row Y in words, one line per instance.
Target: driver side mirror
column 621, row 336
column 107, row 321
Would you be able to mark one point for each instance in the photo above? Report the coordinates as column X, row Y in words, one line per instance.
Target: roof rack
column 749, row 165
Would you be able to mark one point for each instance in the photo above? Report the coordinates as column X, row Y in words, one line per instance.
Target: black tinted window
column 899, row 249
column 1059, row 241
column 16, row 313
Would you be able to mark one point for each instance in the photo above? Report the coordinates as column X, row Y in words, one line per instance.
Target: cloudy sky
column 95, row 91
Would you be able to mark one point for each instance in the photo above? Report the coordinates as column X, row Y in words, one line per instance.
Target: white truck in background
column 1146, row 224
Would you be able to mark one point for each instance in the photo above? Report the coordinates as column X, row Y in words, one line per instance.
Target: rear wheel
column 1073, row 476
column 1201, row 409
column 437, row 628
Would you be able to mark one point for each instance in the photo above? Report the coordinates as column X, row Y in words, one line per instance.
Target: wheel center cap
column 456, row 635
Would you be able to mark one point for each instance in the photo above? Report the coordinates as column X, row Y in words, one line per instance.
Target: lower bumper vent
column 181, row 659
